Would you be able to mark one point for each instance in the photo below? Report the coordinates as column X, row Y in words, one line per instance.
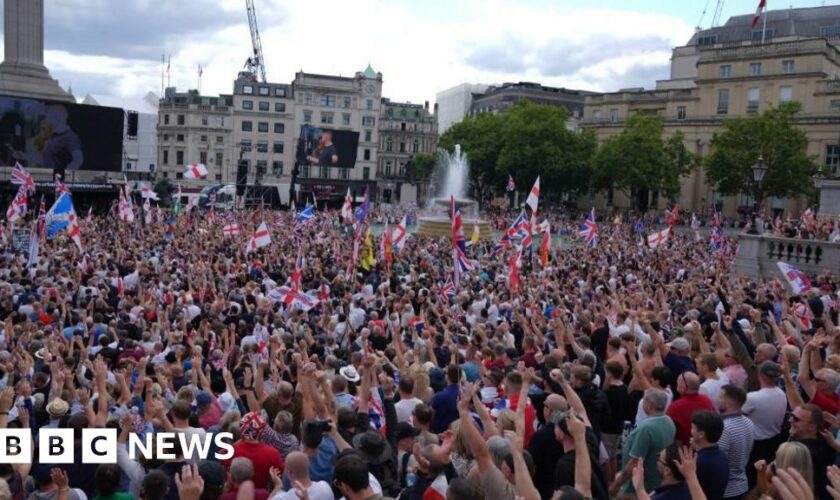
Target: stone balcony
column 758, row 254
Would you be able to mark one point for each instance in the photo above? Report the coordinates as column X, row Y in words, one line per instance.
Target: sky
column 114, row 47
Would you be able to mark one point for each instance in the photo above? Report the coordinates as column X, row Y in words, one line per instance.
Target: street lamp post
column 758, row 170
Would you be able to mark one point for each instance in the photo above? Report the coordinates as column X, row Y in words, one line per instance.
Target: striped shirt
column 737, row 442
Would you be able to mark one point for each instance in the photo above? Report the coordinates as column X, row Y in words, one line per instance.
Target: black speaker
column 241, row 177
column 132, row 123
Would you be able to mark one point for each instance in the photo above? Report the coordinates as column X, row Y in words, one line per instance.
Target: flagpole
column 764, row 24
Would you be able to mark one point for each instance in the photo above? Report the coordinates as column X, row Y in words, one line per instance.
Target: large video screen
column 60, row 136
column 320, row 147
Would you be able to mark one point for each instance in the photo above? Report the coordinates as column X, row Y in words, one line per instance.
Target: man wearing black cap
column 404, row 436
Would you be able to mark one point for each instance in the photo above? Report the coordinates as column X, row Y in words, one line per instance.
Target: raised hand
column 189, row 483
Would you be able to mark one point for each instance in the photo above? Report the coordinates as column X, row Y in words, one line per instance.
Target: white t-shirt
column 711, row 387
column 405, row 407
column 319, row 490
column 766, row 408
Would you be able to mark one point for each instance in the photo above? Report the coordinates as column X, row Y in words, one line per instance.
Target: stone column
column 22, row 73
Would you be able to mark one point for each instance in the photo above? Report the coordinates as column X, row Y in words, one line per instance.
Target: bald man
column 297, row 473
column 681, row 410
column 544, row 448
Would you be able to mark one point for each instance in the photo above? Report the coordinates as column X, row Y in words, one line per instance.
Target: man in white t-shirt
column 405, row 406
column 297, row 471
column 713, row 377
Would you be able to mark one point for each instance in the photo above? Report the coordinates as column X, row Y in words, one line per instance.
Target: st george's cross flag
column 399, row 235
column 347, row 208
column 259, row 239
column 231, row 229
column 658, row 238
column 534, row 195
column 196, row 171
column 799, row 282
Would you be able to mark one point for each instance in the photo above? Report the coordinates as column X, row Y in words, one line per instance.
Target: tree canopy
column 771, row 135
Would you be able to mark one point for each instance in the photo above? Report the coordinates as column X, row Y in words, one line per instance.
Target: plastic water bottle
column 410, row 477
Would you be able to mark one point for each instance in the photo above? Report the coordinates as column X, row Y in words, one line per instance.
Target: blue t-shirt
column 445, row 404
column 471, row 371
column 321, row 464
column 712, row 472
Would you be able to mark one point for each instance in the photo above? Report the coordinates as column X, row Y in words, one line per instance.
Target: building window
column 366, row 173
column 220, row 139
column 345, row 118
column 402, row 126
column 265, row 106
column 596, row 114
column 165, row 157
column 416, row 146
column 262, row 126
column 304, row 171
column 755, row 69
column 264, row 91
column 767, row 35
column 179, row 157
column 389, row 145
column 725, row 71
column 279, row 128
column 367, row 155
column 402, row 147
column 707, row 40
column 166, row 119
column 307, row 116
column 832, row 159
column 753, row 96
column 179, row 175
column 202, row 157
column 388, row 168
column 368, row 121
column 347, row 102
column 368, row 135
column 247, row 125
column 723, row 101
column 344, row 173
column 369, row 106
column 788, row 66
column 328, row 101
column 262, row 146
column 179, row 138
column 279, row 92
column 277, row 168
column 204, row 121
column 280, row 107
column 203, row 138
column 278, row 147
column 247, row 105
column 165, row 175
column 262, row 167
column 218, row 177
column 307, row 99
column 181, row 119
column 221, row 121
column 219, row 158
column 247, row 89
column 613, row 115
column 326, row 117
column 785, row 93
column 680, row 112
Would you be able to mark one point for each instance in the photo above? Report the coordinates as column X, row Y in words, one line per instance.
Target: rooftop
column 805, row 22
column 147, row 104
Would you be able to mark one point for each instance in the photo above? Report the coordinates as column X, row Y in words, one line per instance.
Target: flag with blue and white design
column 58, row 217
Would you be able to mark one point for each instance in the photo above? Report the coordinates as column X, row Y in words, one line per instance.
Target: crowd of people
column 606, row 372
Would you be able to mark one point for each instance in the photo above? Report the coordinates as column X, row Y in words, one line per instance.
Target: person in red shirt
column 690, row 401
column 513, row 384
column 821, row 386
column 262, row 456
column 242, row 470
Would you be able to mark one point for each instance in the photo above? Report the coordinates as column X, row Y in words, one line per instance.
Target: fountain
column 452, row 176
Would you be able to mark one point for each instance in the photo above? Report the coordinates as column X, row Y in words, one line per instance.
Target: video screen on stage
column 60, row 136
column 326, row 147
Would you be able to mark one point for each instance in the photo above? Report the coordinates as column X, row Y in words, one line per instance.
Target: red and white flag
column 147, row 192
column 347, row 208
column 17, row 210
column 799, row 282
column 196, row 171
column 20, row 177
column 514, row 265
column 673, row 214
column 545, row 247
column 658, row 238
column 231, row 230
column 75, row 232
column 259, row 239
column 511, row 185
column 762, row 5
column 399, row 235
column 534, row 195
column 124, row 209
column 147, row 211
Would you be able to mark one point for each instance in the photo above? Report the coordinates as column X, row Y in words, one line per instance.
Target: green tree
column 771, row 135
column 639, row 161
column 424, row 164
column 480, row 137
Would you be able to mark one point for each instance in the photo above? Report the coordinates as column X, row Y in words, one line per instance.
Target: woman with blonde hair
column 461, row 457
column 790, row 455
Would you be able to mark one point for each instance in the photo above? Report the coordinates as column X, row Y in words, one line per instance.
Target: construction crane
column 718, row 12
column 256, row 63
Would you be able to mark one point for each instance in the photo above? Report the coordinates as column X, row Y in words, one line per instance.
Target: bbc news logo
column 99, row 446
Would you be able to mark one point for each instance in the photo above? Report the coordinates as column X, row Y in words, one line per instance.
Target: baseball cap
column 405, row 430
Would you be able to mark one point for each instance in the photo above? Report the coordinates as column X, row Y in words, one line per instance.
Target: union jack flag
column 716, row 239
column 60, row 187
column 20, row 177
column 515, row 233
column 589, row 230
column 17, row 210
column 459, row 242
column 511, row 186
column 447, row 290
